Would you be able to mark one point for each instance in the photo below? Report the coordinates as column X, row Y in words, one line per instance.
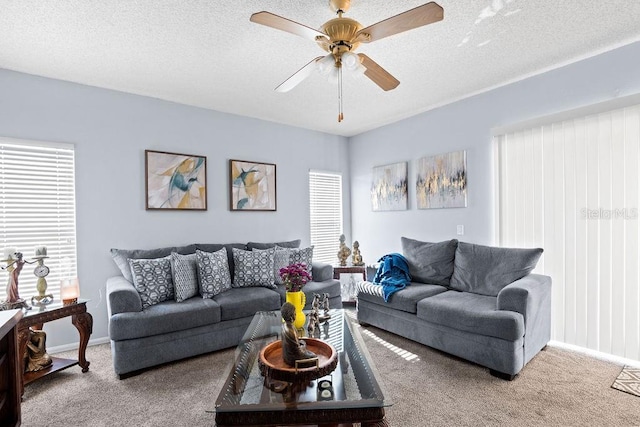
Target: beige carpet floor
column 426, row 387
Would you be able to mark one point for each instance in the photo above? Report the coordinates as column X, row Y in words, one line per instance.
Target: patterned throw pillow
column 185, row 275
column 213, row 269
column 254, row 268
column 152, row 279
column 281, row 259
column 302, row 255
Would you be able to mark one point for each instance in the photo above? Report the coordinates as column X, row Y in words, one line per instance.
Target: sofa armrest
column 122, row 296
column 321, row 271
column 526, row 296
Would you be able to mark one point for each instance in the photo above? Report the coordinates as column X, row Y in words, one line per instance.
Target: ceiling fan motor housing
column 342, row 33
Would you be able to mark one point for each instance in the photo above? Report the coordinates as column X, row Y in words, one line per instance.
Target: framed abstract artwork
column 253, row 186
column 175, row 181
column 389, row 187
column 442, row 181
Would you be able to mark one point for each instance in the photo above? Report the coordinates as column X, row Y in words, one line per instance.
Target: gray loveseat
column 171, row 330
column 476, row 302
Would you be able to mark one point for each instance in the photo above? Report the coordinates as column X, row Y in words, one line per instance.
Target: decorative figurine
column 325, row 307
column 292, row 348
column 41, row 271
column 314, row 323
column 14, row 266
column 356, row 258
column 344, row 252
column 36, row 357
column 315, row 305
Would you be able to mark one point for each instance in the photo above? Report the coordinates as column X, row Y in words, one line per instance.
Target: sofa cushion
column 289, row 244
column 254, row 268
column 152, row 279
column 165, row 317
column 403, row 300
column 281, row 259
column 213, row 247
column 243, row 302
column 185, row 275
column 122, row 256
column 213, row 270
column 430, row 262
column 472, row 313
column 485, row 270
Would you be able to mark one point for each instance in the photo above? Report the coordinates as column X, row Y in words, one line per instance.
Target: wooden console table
column 36, row 317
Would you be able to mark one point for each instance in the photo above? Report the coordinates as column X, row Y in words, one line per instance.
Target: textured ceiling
column 207, row 53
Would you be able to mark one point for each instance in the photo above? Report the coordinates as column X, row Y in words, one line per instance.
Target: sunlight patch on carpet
column 628, row 381
column 406, row 355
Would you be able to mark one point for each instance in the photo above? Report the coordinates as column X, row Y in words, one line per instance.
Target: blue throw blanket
column 392, row 274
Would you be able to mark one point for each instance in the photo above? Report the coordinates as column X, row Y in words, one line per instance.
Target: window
column 37, row 208
column 325, row 189
column 571, row 186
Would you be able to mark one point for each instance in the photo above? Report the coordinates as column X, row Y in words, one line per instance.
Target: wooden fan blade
column 298, row 76
column 284, row 24
column 414, row 18
column 377, row 74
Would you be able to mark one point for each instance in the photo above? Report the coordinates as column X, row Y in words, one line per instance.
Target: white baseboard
column 74, row 346
column 596, row 354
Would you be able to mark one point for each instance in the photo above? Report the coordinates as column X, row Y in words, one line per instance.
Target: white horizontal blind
column 37, row 208
column 572, row 188
column 325, row 190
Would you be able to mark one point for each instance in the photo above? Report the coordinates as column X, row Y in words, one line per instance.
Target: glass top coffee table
column 352, row 393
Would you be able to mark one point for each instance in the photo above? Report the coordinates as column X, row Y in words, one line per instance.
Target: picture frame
column 252, row 186
column 175, row 181
column 441, row 181
column 389, row 187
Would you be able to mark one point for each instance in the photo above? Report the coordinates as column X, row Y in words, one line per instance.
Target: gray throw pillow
column 289, row 244
column 185, row 275
column 430, row 262
column 122, row 256
column 254, row 268
column 485, row 270
column 303, row 256
column 281, row 259
column 152, row 279
column 213, row 270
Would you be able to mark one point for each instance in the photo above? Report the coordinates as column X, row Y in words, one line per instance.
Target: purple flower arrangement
column 295, row 276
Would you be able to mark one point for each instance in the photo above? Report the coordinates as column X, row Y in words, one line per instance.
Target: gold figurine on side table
column 344, row 252
column 36, row 357
column 356, row 258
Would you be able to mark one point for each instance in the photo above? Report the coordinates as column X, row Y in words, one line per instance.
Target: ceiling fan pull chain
column 340, row 113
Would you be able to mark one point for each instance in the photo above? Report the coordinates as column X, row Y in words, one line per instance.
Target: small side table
column 36, row 317
column 350, row 269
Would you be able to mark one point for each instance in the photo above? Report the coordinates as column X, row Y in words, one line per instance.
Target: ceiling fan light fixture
column 359, row 71
column 326, row 64
column 350, row 61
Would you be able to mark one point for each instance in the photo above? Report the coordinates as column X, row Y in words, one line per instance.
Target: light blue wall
column 111, row 130
column 466, row 125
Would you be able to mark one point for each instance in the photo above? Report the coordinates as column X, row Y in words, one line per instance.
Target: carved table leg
column 84, row 324
column 381, row 423
column 23, row 338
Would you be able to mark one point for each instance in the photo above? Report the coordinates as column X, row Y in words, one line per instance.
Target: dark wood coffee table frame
column 367, row 411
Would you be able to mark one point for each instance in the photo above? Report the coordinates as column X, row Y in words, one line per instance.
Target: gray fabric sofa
column 171, row 330
column 484, row 306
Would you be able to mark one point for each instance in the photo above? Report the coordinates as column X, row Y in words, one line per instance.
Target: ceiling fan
column 341, row 37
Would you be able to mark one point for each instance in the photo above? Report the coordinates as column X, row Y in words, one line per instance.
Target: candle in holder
column 69, row 291
column 41, row 251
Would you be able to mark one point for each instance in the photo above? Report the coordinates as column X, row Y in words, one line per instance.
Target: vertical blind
column 325, row 191
column 572, row 188
column 37, row 208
